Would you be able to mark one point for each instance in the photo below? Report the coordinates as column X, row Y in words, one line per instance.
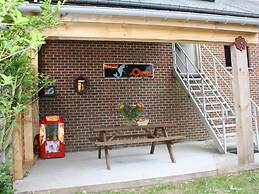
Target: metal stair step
column 218, row 118
column 215, row 110
column 199, row 84
column 193, row 74
column 233, row 134
column 226, row 125
column 195, row 79
column 205, row 90
column 209, row 97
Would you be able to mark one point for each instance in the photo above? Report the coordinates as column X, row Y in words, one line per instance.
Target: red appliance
column 52, row 137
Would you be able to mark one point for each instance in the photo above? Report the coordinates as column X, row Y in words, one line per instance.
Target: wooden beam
column 106, row 19
column 146, row 33
column 242, row 101
column 18, row 149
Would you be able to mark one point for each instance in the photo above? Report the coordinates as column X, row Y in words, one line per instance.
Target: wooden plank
column 146, row 33
column 18, row 149
column 131, row 127
column 140, row 140
column 241, row 90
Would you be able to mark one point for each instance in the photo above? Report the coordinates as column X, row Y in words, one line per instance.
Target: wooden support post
column 28, row 136
column 31, row 120
column 35, row 104
column 242, row 102
column 18, row 149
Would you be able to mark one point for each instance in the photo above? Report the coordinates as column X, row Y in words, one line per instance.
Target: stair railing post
column 203, row 99
column 224, row 128
column 200, row 58
column 187, row 73
column 256, row 125
column 215, row 73
column 174, row 56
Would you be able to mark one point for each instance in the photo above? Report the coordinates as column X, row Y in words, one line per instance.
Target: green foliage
column 21, row 36
column 6, row 186
column 131, row 112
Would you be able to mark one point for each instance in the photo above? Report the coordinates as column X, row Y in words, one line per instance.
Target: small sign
column 126, row 70
column 49, row 91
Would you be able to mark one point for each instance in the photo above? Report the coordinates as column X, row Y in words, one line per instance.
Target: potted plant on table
column 133, row 113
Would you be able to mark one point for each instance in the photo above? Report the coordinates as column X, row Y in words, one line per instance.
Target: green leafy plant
column 21, row 36
column 6, row 186
column 131, row 112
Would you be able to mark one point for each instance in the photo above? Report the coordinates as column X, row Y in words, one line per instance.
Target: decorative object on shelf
column 81, row 85
column 133, row 112
column 141, row 121
column 240, row 43
column 128, row 70
column 49, row 91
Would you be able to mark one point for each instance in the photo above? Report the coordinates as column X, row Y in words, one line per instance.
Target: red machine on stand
column 52, row 137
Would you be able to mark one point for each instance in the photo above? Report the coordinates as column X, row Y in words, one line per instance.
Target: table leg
column 101, row 138
column 170, row 151
column 99, row 152
column 153, row 143
column 169, row 146
column 107, row 157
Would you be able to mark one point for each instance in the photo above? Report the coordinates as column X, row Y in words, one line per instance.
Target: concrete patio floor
column 130, row 167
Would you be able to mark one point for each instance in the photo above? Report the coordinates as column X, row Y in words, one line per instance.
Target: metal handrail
column 194, row 96
column 205, row 98
column 217, row 73
column 254, row 106
column 255, row 110
column 199, row 73
column 217, row 60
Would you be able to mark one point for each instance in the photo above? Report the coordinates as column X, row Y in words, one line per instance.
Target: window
column 227, row 52
column 248, row 61
column 228, row 56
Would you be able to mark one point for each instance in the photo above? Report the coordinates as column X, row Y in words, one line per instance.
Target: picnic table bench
column 107, row 138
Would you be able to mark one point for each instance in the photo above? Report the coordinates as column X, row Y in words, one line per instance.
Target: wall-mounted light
column 80, row 85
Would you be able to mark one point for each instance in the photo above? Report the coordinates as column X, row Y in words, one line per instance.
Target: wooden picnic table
column 114, row 136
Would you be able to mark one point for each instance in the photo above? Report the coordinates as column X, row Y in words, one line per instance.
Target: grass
column 243, row 183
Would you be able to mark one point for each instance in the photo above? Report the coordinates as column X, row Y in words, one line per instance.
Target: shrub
column 6, row 180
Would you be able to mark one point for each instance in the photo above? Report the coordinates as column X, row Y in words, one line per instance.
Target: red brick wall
column 164, row 98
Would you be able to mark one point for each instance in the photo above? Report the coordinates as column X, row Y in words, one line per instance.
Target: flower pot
column 141, row 121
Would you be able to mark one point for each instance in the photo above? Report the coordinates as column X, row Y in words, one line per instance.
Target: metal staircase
column 209, row 85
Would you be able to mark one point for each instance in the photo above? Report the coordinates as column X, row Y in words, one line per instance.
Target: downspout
column 145, row 13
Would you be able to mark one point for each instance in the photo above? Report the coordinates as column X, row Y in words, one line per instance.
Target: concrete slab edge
column 123, row 185
column 142, row 182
